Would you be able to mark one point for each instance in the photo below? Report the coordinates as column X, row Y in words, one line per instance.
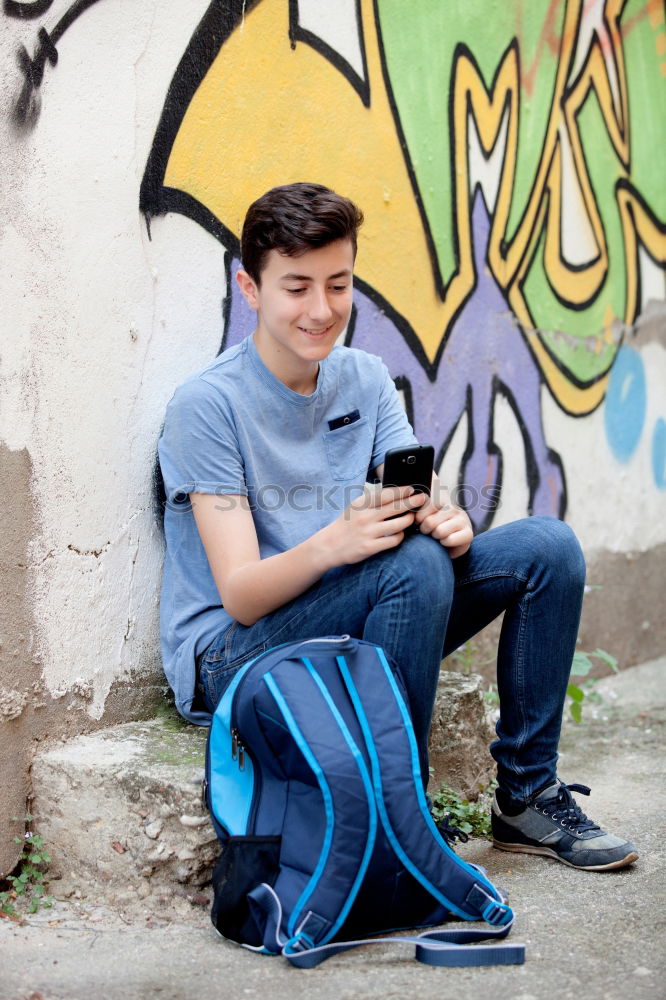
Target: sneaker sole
column 549, row 853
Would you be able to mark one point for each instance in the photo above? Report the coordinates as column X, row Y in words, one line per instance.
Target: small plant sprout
column 467, row 658
column 26, row 886
column 473, row 818
column 580, row 694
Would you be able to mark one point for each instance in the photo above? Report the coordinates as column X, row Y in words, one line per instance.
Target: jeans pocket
column 214, row 683
column 215, row 676
column 219, row 648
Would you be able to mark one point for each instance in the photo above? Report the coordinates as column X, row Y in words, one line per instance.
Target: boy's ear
column 248, row 288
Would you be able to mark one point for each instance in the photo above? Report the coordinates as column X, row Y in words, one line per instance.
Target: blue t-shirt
column 235, row 428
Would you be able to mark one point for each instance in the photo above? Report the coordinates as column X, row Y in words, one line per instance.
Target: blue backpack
column 314, row 788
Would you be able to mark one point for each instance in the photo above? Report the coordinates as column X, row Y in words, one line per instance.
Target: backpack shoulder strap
column 403, row 811
column 318, row 882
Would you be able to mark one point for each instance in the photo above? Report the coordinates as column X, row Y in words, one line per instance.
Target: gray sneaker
column 553, row 824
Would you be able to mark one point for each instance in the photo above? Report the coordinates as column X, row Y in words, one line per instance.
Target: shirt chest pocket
column 349, row 450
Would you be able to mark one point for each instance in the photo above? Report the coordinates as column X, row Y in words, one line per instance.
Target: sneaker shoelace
column 450, row 833
column 564, row 808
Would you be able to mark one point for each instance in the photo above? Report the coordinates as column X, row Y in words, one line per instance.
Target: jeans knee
column 556, row 543
column 429, row 565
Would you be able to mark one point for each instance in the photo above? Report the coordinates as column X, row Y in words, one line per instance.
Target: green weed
column 466, row 659
column 473, row 818
column 26, row 889
column 584, row 693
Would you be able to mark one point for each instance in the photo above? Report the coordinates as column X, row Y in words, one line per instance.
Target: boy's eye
column 301, row 289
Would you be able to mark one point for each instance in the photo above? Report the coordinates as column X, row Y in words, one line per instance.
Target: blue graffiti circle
column 659, row 453
column 624, row 414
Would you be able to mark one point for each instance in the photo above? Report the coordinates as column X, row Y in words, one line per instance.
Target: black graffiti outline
column 624, row 125
column 624, row 184
column 507, row 242
column 26, row 108
column 219, row 21
column 297, row 33
column 571, row 267
column 500, row 388
column 29, row 9
column 393, row 104
column 621, row 182
column 556, row 361
column 527, row 258
column 532, row 474
column 470, row 444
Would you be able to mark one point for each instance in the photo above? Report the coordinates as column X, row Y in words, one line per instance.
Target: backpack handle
column 326, row 644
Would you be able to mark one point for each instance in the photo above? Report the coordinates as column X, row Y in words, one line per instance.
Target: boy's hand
column 448, row 524
column 370, row 525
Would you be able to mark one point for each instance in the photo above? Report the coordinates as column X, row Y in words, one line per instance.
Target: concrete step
column 123, row 805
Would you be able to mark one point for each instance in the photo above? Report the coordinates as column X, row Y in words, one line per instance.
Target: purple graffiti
column 486, row 353
column 241, row 320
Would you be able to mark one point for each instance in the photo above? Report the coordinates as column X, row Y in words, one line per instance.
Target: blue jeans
column 419, row 605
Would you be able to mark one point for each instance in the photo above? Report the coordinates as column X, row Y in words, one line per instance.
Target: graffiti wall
column 513, row 232
column 509, row 159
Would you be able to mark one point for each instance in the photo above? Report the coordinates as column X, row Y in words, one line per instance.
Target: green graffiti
column 419, row 49
column 646, row 83
column 574, row 304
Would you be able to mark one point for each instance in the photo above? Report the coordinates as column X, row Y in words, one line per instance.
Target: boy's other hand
column 448, row 524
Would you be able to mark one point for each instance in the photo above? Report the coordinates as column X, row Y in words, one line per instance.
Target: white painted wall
column 100, row 326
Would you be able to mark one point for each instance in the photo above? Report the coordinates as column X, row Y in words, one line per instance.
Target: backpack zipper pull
column 237, row 749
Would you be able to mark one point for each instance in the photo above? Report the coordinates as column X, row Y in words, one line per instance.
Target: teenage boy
column 274, row 535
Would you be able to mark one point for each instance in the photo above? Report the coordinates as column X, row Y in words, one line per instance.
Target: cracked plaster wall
column 98, row 327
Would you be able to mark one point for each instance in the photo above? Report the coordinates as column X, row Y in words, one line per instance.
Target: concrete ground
column 587, row 935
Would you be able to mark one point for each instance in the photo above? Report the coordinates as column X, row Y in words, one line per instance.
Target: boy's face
column 303, row 305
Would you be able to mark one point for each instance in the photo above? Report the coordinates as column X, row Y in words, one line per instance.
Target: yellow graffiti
column 301, row 120
column 488, row 110
column 509, row 267
column 637, row 224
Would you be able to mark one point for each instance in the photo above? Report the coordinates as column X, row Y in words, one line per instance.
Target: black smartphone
column 409, row 467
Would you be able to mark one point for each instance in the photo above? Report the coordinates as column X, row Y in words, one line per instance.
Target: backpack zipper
column 237, row 749
column 238, row 752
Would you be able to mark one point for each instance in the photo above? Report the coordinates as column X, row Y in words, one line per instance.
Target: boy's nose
column 319, row 307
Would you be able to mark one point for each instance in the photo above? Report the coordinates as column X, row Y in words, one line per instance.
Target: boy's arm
column 251, row 587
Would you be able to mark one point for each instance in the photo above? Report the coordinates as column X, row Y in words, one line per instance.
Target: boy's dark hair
column 293, row 219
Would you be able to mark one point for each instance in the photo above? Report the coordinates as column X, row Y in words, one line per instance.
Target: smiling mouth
column 315, row 333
